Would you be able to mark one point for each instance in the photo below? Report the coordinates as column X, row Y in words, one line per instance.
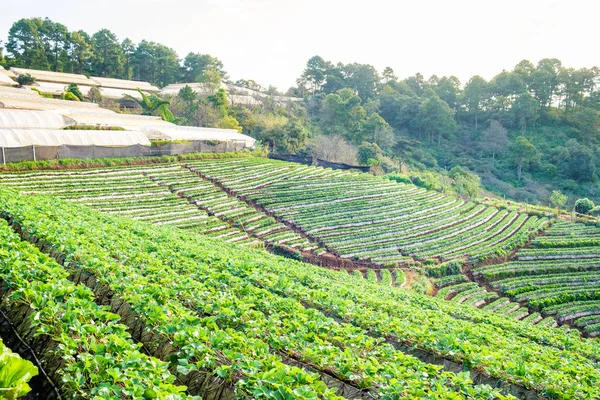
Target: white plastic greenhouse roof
column 124, row 84
column 28, row 119
column 19, row 91
column 27, row 102
column 122, row 120
column 48, row 137
column 5, row 80
column 57, row 89
column 112, row 93
column 57, row 77
column 174, row 132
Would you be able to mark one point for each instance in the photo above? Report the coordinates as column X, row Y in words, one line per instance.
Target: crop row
column 181, row 287
column 86, row 351
column 489, row 344
column 365, row 217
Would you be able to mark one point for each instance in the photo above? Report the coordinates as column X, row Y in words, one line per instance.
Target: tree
column 495, row 138
column 475, row 93
column 584, row 206
column 94, row 95
column 25, row 79
column 558, row 200
column 55, row 37
column 524, row 110
column 80, row 52
column 220, row 101
column 25, row 46
column 465, row 182
column 436, row 118
column 388, row 75
column 128, row 53
column 524, row 154
column 196, row 64
column 332, row 148
column 367, row 152
column 448, row 89
column 229, row 122
column 73, row 88
column 153, row 105
column 155, row 63
column 108, row 58
column 314, row 75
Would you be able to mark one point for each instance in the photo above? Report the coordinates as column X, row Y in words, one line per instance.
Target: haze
column 271, row 40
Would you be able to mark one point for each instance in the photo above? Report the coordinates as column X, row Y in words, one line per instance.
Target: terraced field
column 222, row 320
column 125, row 191
column 558, row 276
column 365, row 218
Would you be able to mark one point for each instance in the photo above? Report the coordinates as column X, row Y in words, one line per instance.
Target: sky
column 270, row 41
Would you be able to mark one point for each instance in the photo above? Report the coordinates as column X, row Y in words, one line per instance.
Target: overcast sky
column 271, row 40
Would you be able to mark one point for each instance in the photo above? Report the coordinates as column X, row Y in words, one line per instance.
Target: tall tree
column 524, row 154
column 495, row 138
column 25, row 46
column 55, row 38
column 196, row 64
column 128, row 52
column 314, row 75
column 436, row 118
column 475, row 94
column 80, row 52
column 108, row 58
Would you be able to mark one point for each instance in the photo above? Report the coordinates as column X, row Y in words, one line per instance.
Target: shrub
column 400, row 178
column 584, row 206
column 70, row 96
column 25, row 79
column 73, row 88
column 94, row 95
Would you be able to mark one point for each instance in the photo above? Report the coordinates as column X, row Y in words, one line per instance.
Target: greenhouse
column 174, row 132
column 55, row 77
column 5, row 79
column 28, row 119
column 10, row 138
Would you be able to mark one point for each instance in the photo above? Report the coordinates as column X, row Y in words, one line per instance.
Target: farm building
column 34, row 127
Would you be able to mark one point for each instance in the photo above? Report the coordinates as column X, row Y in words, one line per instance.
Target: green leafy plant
column 15, row 374
column 153, row 105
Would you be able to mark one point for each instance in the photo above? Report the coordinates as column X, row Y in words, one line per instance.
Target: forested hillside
column 524, row 132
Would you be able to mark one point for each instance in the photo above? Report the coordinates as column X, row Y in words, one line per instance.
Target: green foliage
column 94, row 95
column 584, row 206
column 25, row 79
column 73, row 88
column 399, row 178
column 153, row 105
column 15, row 373
column 229, row 122
column 465, row 182
column 92, row 128
column 70, row 96
column 368, row 151
column 558, row 199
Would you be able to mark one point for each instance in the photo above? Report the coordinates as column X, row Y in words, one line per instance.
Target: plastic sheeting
column 124, row 84
column 174, row 132
column 27, row 102
column 19, row 91
column 28, row 119
column 125, row 121
column 115, row 94
column 47, row 137
column 57, row 77
column 5, row 80
column 57, row 89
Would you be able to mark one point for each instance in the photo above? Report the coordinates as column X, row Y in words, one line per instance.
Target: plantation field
column 362, row 217
column 558, row 276
column 229, row 319
column 154, row 275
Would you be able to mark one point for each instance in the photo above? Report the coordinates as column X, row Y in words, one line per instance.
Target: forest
column 530, row 133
